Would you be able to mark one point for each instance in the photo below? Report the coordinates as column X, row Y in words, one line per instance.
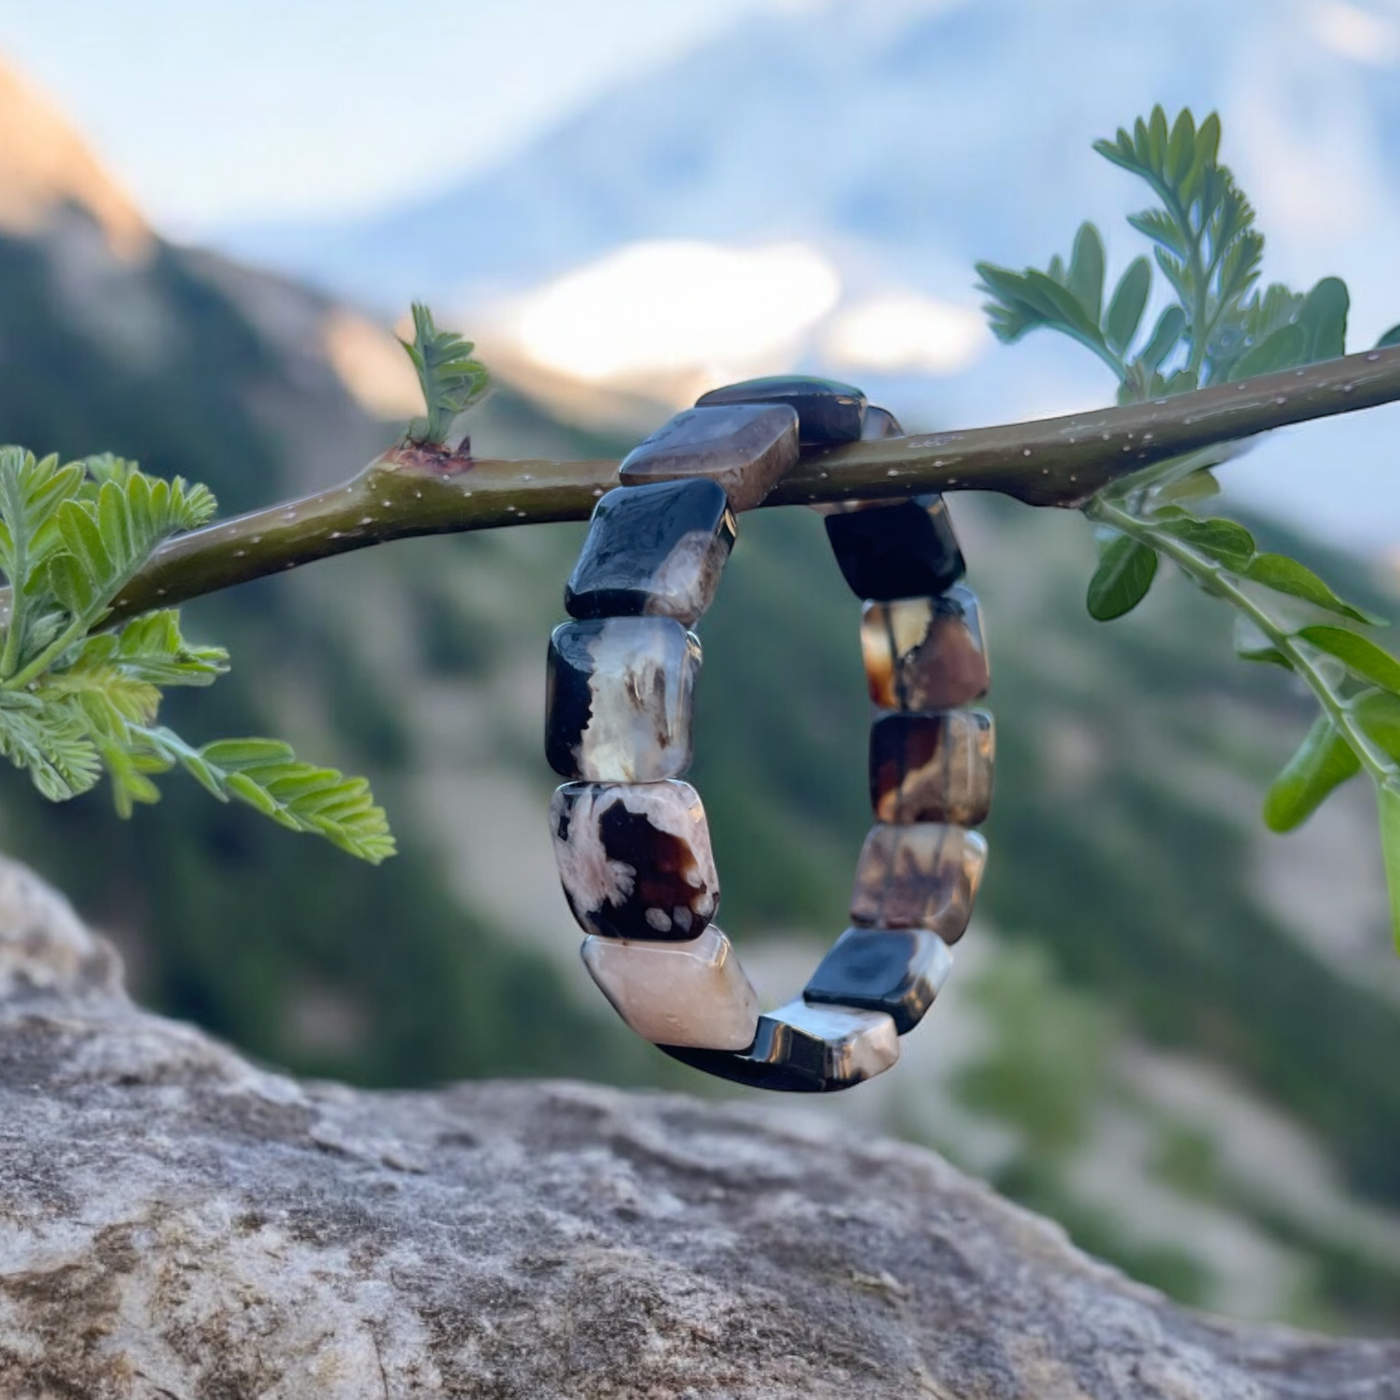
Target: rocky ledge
column 175, row 1222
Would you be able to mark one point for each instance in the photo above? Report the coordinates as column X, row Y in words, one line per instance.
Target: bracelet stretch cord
column 630, row 836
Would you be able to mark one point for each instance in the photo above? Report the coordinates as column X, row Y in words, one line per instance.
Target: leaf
column 1388, row 801
column 1360, row 655
column 1284, row 348
column 1251, row 644
column 1324, row 761
column 1124, row 315
column 1391, row 337
column 1125, row 573
column 1165, row 335
column 52, row 747
column 451, row 380
column 1197, row 486
column 1324, row 320
column 151, row 648
column 1222, row 540
column 1086, row 270
column 1285, row 575
column 1379, row 714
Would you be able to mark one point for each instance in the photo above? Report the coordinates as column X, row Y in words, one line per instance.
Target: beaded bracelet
column 630, row 837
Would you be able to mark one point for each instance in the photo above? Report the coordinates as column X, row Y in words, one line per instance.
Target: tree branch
column 1050, row 462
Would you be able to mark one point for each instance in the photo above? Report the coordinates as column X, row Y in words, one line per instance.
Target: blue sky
column 262, row 109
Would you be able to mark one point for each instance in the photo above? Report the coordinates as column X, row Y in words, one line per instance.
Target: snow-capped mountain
column 900, row 140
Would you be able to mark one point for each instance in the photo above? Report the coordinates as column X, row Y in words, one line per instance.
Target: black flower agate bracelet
column 630, row 837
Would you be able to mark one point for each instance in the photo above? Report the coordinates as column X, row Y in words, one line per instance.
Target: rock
column 175, row 1222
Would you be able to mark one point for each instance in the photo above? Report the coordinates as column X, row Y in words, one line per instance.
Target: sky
column 187, row 100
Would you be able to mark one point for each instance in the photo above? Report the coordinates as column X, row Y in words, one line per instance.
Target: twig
column 1050, row 462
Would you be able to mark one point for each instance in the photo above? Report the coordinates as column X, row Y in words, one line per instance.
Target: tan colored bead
column 690, row 994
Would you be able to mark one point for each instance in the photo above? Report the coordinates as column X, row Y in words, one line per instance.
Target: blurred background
column 1173, row 1032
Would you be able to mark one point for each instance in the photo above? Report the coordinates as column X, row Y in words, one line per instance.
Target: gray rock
column 175, row 1222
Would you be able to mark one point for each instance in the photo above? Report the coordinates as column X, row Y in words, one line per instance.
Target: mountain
column 900, row 141
column 1171, row 1030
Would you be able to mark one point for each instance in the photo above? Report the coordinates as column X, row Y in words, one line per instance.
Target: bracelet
column 630, row 836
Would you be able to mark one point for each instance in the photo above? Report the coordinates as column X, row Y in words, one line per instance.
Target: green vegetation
column 1220, row 328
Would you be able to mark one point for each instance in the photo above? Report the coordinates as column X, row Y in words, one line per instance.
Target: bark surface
column 175, row 1222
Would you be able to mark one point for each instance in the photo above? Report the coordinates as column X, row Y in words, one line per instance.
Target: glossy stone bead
column 691, row 994
column 634, row 859
column 618, row 699
column 897, row 971
column 829, row 412
column 904, row 550
column 879, row 423
column 745, row 448
column 932, row 768
column 923, row 876
column 924, row 653
column 805, row 1048
column 656, row 550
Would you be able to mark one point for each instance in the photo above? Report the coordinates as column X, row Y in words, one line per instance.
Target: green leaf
column 450, row 378
column 1324, row 320
column 1391, row 337
column 1360, row 655
column 1086, row 270
column 52, row 745
column 1197, row 486
column 1285, row 575
column 1222, row 540
column 1388, row 800
column 1251, row 644
column 1165, row 335
column 151, row 648
column 1285, row 348
column 1379, row 714
column 1125, row 573
column 1121, row 323
column 1324, row 760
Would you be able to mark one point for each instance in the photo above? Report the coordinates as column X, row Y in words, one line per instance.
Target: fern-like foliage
column 451, row 380
column 77, row 701
column 1218, row 325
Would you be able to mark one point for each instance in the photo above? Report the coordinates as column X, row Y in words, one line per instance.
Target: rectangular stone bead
column 897, row 971
column 932, row 767
column 692, row 994
column 635, row 859
column 654, row 550
column 902, row 550
column 618, row 695
column 924, row 653
column 806, row 1048
column 923, row 876
column 828, row 412
column 745, row 448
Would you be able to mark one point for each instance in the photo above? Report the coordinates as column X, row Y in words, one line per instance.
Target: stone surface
column 897, row 971
column 746, row 448
column 635, row 858
column 618, row 695
column 176, row 1224
column 653, row 550
column 806, row 1049
column 828, row 412
column 932, row 767
column 692, row 993
column 923, row 876
column 903, row 550
column 925, row 653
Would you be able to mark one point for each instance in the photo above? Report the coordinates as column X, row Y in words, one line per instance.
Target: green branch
column 419, row 490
